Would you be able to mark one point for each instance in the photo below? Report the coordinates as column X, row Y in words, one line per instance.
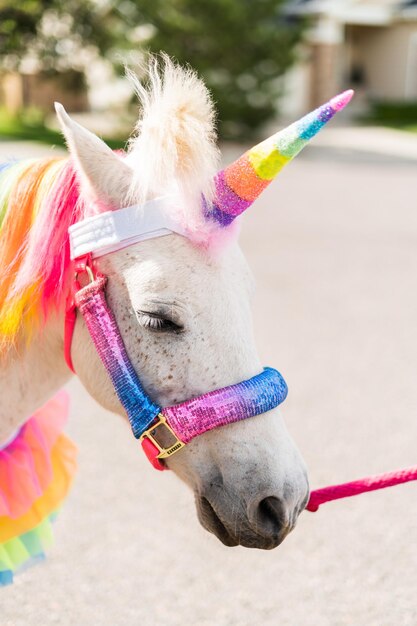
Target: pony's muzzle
column 263, row 524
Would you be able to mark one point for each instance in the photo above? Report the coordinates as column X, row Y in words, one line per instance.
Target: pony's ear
column 107, row 175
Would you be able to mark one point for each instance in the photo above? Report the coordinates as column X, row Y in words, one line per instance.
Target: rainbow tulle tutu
column 36, row 471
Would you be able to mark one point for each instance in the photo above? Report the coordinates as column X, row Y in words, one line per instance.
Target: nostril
column 270, row 516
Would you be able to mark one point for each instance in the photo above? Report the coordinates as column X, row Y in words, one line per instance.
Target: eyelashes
column 157, row 323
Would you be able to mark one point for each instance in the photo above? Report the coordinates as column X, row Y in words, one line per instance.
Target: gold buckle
column 164, row 450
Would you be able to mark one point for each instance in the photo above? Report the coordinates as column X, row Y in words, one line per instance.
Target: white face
column 185, row 318
column 184, row 315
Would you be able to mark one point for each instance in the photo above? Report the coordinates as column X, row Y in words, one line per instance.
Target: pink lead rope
column 356, row 487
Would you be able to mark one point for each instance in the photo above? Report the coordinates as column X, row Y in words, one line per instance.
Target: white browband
column 113, row 230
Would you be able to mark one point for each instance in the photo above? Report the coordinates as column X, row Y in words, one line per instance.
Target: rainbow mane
column 39, row 200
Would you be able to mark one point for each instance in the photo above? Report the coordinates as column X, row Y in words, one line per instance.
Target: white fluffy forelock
column 174, row 149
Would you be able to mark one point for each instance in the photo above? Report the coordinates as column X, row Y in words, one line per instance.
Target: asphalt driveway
column 333, row 246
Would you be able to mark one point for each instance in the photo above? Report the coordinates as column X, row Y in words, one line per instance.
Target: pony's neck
column 30, row 376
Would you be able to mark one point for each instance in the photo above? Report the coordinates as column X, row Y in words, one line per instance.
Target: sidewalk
column 371, row 140
column 366, row 140
column 15, row 150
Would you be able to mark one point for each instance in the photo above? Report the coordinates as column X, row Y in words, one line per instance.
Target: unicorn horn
column 238, row 186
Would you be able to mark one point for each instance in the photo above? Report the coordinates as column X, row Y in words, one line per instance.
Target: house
column 40, row 90
column 370, row 45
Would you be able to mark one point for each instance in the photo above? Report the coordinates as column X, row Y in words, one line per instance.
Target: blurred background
column 333, row 247
column 260, row 58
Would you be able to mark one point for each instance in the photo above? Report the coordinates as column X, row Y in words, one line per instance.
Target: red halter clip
column 82, row 265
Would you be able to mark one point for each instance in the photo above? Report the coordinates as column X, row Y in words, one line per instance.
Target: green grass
column 399, row 115
column 29, row 125
column 412, row 128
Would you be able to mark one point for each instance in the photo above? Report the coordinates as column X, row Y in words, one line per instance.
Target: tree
column 240, row 47
column 55, row 32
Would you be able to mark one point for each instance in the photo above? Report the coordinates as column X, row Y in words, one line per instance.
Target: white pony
column 182, row 303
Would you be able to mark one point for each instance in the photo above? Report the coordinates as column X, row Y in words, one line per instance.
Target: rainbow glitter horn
column 239, row 184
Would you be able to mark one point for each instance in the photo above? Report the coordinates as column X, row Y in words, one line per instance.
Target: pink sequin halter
column 162, row 431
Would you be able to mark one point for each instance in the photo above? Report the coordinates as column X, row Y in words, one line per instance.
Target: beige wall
column 324, row 74
column 22, row 90
column 384, row 55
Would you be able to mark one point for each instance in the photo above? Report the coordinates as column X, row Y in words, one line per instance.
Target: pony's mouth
column 212, row 522
column 243, row 534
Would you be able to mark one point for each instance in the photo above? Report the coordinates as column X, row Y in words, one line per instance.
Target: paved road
column 333, row 246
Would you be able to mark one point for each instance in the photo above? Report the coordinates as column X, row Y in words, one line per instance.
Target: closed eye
column 158, row 323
